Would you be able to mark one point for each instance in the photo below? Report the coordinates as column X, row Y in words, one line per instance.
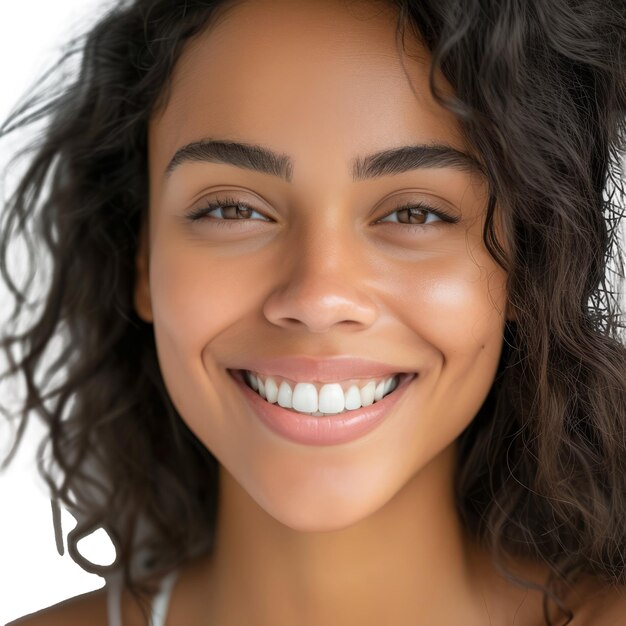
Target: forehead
column 320, row 80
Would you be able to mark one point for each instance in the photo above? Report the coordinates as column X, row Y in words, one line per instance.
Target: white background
column 32, row 574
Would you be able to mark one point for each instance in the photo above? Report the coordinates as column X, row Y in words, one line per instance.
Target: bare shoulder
column 606, row 607
column 612, row 608
column 86, row 609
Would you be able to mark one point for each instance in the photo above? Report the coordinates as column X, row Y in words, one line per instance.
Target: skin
column 365, row 532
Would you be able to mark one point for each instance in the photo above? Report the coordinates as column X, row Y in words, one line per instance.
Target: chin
column 321, row 521
column 324, row 506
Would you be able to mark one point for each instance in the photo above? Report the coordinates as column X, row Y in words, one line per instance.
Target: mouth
column 321, row 400
column 315, row 427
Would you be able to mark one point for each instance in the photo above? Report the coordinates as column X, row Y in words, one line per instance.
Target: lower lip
column 322, row 431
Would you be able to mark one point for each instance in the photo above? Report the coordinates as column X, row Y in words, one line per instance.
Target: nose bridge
column 325, row 250
column 323, row 280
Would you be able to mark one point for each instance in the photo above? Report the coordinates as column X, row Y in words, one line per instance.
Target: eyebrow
column 383, row 163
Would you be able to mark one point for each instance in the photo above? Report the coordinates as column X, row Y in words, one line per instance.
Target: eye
column 226, row 210
column 418, row 214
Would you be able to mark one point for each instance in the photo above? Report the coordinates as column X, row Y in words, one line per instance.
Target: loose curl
column 540, row 95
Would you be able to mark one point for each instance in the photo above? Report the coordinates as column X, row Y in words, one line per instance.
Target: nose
column 322, row 285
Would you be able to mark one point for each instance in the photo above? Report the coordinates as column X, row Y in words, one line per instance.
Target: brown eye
column 418, row 214
column 235, row 211
column 226, row 209
column 413, row 216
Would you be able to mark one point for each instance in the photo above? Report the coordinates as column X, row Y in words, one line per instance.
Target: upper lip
column 328, row 370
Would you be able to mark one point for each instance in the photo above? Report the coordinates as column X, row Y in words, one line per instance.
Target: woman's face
column 325, row 265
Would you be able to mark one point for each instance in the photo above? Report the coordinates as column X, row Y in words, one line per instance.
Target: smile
column 321, row 399
column 326, row 429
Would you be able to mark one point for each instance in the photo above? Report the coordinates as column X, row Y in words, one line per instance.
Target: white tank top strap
column 159, row 603
column 114, row 601
column 162, row 599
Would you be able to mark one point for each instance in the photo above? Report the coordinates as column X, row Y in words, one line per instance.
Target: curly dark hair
column 539, row 93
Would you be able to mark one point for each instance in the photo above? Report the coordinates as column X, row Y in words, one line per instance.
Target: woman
column 333, row 282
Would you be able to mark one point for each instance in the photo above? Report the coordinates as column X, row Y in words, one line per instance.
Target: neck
column 400, row 565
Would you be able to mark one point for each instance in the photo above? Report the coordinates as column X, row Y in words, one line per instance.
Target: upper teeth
column 329, row 399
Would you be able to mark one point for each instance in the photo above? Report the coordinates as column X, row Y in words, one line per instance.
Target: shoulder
column 612, row 608
column 87, row 609
column 606, row 607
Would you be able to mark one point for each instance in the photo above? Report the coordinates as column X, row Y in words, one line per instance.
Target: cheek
column 461, row 307
column 198, row 302
column 456, row 300
column 455, row 309
column 197, row 296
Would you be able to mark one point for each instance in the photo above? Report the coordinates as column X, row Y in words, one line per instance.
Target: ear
column 141, row 297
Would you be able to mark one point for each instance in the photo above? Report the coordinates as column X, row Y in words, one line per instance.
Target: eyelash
column 201, row 213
